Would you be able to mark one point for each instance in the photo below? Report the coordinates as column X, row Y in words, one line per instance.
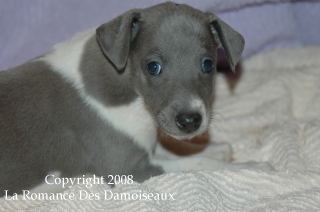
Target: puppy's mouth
column 165, row 129
column 202, row 138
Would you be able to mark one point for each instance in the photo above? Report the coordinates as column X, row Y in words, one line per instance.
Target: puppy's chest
column 132, row 120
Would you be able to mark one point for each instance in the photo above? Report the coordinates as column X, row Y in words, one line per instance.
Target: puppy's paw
column 190, row 163
column 222, row 152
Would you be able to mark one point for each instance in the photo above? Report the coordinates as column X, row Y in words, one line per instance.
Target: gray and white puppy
column 94, row 103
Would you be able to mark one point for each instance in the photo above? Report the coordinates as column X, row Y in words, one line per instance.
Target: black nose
column 188, row 122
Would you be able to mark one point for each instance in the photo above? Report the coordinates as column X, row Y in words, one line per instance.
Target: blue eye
column 207, row 65
column 154, row 68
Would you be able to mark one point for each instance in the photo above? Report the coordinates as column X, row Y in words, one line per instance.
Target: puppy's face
column 170, row 52
column 174, row 62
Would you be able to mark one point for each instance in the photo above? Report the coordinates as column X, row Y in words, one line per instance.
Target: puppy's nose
column 188, row 122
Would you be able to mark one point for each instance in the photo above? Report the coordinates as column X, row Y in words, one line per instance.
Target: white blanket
column 273, row 115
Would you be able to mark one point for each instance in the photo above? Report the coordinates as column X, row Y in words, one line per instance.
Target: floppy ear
column 231, row 40
column 114, row 38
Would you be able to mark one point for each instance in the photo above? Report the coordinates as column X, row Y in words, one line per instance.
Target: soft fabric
column 273, row 115
column 30, row 28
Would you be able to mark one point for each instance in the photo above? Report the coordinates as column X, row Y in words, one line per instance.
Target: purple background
column 29, row 28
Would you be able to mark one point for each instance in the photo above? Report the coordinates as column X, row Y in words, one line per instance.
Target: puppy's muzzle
column 188, row 122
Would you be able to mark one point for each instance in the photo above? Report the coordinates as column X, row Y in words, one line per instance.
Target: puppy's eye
column 207, row 65
column 154, row 68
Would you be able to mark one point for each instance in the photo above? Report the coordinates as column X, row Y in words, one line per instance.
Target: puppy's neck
column 109, row 93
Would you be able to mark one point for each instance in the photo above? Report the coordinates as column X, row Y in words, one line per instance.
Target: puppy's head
column 170, row 51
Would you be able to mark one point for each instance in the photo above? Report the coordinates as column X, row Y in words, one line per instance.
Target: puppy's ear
column 231, row 40
column 114, row 38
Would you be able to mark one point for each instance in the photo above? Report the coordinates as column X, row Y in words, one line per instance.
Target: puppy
column 94, row 103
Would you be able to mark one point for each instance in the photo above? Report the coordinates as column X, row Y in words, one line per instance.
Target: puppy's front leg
column 211, row 158
column 214, row 157
column 194, row 163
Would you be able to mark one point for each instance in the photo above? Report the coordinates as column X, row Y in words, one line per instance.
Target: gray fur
column 45, row 125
